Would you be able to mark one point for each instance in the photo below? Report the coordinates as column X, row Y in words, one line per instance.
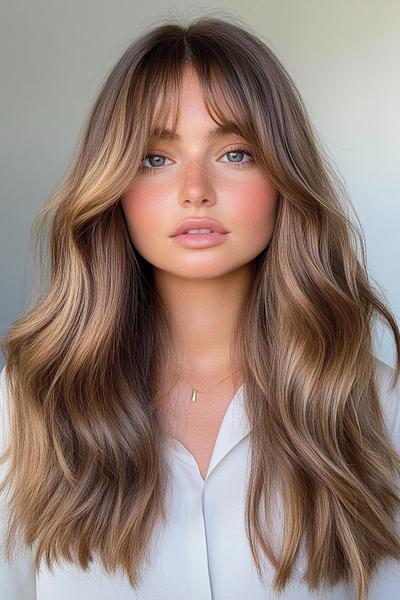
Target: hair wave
column 84, row 362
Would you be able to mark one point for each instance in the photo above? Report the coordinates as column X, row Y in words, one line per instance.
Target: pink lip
column 199, row 240
column 199, row 224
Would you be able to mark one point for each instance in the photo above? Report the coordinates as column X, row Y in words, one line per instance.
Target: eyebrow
column 215, row 132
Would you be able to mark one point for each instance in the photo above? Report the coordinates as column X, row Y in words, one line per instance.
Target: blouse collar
column 235, row 426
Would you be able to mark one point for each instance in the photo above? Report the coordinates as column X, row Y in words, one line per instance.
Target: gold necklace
column 195, row 391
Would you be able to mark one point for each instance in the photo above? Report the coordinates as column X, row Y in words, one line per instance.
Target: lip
column 199, row 240
column 199, row 223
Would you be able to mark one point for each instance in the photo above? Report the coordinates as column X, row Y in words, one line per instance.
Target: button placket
column 198, row 547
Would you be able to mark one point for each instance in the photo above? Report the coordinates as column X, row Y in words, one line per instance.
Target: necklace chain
column 195, row 391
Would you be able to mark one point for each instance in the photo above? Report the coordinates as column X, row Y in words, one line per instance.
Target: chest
column 196, row 424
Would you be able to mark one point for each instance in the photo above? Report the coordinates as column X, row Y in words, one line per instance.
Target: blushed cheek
column 138, row 213
column 258, row 216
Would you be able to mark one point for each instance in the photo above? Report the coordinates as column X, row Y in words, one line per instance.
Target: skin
column 196, row 177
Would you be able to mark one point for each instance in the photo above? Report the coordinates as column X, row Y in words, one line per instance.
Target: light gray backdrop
column 344, row 59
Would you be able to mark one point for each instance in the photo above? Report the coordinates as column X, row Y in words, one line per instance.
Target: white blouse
column 203, row 552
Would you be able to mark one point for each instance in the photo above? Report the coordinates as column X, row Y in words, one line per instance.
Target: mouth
column 192, row 239
column 199, row 226
column 197, row 232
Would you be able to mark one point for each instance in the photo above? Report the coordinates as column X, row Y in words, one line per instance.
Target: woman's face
column 197, row 176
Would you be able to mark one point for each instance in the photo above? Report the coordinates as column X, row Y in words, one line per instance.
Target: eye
column 236, row 152
column 153, row 166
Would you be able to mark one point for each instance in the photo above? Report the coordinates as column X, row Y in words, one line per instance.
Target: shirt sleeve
column 18, row 577
column 390, row 400
column 386, row 583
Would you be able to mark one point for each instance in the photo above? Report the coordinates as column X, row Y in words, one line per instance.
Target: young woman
column 199, row 415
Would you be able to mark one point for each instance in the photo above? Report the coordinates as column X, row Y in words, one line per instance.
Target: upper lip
column 198, row 223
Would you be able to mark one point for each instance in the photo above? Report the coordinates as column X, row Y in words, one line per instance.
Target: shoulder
column 18, row 576
column 389, row 395
column 4, row 409
column 5, row 425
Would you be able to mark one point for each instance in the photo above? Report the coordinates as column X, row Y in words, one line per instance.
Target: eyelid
column 232, row 148
column 239, row 147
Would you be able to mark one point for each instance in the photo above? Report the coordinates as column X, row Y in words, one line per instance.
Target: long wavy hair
column 87, row 464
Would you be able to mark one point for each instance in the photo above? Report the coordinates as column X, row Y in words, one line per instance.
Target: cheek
column 256, row 209
column 140, row 213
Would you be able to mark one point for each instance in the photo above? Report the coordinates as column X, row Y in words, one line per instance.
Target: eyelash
column 236, row 149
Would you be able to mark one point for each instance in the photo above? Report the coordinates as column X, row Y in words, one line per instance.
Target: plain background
column 342, row 55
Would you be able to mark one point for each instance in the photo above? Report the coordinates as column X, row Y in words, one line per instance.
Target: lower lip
column 199, row 240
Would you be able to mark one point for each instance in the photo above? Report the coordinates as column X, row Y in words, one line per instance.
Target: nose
column 197, row 186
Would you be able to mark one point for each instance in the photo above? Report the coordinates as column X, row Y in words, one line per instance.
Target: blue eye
column 151, row 156
column 234, row 151
column 238, row 151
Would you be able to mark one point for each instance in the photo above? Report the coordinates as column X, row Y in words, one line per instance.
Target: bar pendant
column 194, row 394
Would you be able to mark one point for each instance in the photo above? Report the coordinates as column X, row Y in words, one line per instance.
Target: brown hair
column 87, row 455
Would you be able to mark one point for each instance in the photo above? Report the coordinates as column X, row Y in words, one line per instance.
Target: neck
column 203, row 315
